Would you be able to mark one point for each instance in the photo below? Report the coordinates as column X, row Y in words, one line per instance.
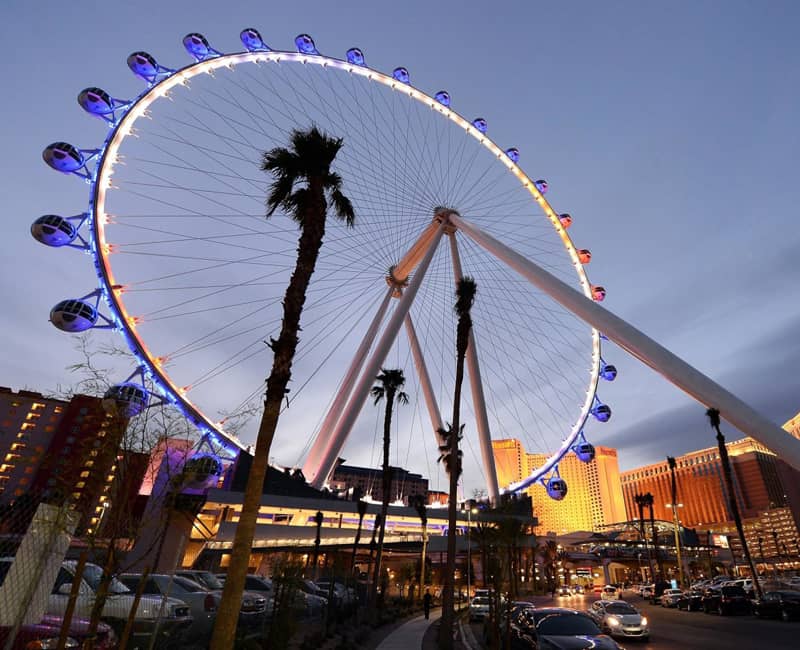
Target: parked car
column 609, row 593
column 46, row 632
column 203, row 604
column 778, row 604
column 557, row 627
column 646, row 591
column 479, row 608
column 690, row 601
column 618, row 618
column 726, row 600
column 119, row 602
column 670, row 597
column 205, row 578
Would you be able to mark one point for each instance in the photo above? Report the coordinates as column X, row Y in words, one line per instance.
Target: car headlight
column 644, row 620
column 50, row 644
column 613, row 622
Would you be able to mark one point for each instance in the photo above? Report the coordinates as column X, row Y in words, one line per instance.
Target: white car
column 620, row 619
column 479, row 608
column 670, row 597
column 609, row 593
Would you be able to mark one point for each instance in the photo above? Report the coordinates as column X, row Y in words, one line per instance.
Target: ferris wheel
column 192, row 274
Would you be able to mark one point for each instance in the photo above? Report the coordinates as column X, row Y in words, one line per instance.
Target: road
column 673, row 630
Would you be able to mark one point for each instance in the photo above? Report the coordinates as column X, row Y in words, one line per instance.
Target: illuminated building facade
column 701, row 484
column 59, row 451
column 594, row 496
column 793, row 426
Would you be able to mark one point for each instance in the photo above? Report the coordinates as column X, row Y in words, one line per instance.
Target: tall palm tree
column 451, row 455
column 304, row 186
column 713, row 418
column 649, row 500
column 390, row 383
column 418, row 503
column 641, row 501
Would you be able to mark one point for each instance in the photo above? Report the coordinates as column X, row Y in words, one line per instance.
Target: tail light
column 210, row 603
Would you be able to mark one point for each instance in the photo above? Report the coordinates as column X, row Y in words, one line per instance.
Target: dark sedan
column 726, row 600
column 778, row 604
column 690, row 601
column 556, row 627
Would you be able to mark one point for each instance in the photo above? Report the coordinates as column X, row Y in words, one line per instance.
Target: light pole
column 469, row 550
column 676, row 523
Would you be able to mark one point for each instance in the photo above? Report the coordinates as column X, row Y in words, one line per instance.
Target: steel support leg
column 670, row 366
column 478, row 398
column 335, row 410
column 425, row 381
column 361, row 391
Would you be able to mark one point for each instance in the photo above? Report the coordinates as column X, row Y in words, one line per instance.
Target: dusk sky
column 668, row 130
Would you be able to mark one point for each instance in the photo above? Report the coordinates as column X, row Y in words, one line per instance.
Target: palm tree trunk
column 448, row 603
column 387, row 486
column 284, row 349
column 734, row 506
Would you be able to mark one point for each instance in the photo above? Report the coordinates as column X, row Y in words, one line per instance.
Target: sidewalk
column 409, row 635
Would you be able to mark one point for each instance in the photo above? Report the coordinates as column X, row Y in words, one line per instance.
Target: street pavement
column 672, row 630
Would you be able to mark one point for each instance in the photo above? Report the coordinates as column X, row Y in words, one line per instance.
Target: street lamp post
column 676, row 523
column 469, row 551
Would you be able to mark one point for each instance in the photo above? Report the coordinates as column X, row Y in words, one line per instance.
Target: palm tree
column 451, row 455
column 641, row 501
column 390, row 383
column 303, row 187
column 649, row 500
column 713, row 418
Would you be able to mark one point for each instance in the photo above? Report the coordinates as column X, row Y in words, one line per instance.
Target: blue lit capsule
column 197, row 46
column 305, row 44
column 401, row 75
column 585, row 451
column 96, row 101
column 608, row 372
column 200, row 469
column 480, row 124
column 557, row 488
column 602, row 412
column 252, row 40
column 513, row 153
column 128, row 399
column 355, row 56
column 541, row 185
column 443, row 97
column 73, row 315
column 63, row 157
column 143, row 65
column 53, row 230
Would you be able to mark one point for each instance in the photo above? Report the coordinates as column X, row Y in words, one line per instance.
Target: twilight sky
column 669, row 131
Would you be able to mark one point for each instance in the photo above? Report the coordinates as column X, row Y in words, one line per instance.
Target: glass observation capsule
column 197, row 46
column 513, row 154
column 556, row 488
column 566, row 220
column 305, row 44
column 443, row 97
column 541, row 185
column 480, row 124
column 143, row 65
column 602, row 412
column 198, row 470
column 584, row 451
column 584, row 256
column 96, row 101
column 598, row 293
column 401, row 75
column 73, row 315
column 607, row 371
column 252, row 40
column 355, row 56
column 53, row 230
column 128, row 399
column 63, row 157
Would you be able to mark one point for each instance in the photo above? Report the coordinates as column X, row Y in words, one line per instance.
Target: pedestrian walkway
column 409, row 635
